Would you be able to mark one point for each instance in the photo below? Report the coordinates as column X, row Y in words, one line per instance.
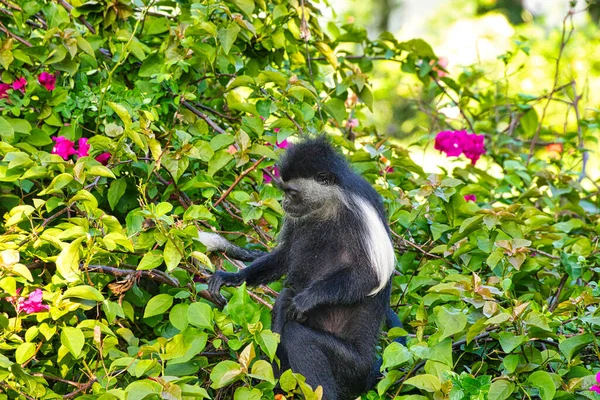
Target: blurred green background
column 511, row 43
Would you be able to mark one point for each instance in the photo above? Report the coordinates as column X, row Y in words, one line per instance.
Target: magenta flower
column 273, row 170
column 455, row 143
column 3, row 89
column 596, row 388
column 47, row 80
column 103, row 158
column 283, row 144
column 19, row 84
column 63, row 147
column 83, row 147
column 470, row 197
column 31, row 305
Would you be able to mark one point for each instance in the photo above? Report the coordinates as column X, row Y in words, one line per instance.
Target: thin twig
column 205, row 117
column 287, row 115
column 460, row 110
column 564, row 39
column 238, row 179
column 81, row 389
column 153, row 274
column 217, row 113
column 10, row 34
column 546, row 254
column 81, row 19
column 556, row 296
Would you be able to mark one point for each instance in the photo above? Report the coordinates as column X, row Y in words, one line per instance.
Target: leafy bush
column 127, row 127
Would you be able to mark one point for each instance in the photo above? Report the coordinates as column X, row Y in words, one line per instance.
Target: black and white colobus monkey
column 336, row 252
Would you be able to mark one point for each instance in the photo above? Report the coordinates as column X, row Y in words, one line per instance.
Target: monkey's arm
column 342, row 287
column 215, row 242
column 264, row 269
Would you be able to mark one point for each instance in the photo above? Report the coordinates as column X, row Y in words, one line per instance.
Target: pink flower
column 33, row 303
column 83, row 147
column 470, row 197
column 63, row 147
column 3, row 89
column 103, row 158
column 450, row 142
column 47, row 80
column 596, row 388
column 474, row 147
column 30, row 305
column 276, row 130
column 453, row 143
column 283, row 144
column 19, row 84
column 352, row 123
column 441, row 62
column 273, row 170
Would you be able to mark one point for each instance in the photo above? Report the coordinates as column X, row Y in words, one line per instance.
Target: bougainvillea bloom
column 596, row 388
column 470, row 197
column 103, row 158
column 29, row 305
column 83, row 147
column 3, row 89
column 283, row 144
column 273, row 170
column 455, row 143
column 33, row 303
column 47, row 80
column 19, row 84
column 63, row 147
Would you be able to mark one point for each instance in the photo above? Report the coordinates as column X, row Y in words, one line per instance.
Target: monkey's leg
column 324, row 360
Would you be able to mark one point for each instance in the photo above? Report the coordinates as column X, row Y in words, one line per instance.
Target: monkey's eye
column 325, row 178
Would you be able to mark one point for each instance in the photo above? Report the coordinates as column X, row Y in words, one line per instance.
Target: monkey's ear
column 325, row 178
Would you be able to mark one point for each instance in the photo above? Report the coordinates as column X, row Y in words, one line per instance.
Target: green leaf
column 501, row 390
column 225, row 373
column 24, row 352
column 544, row 383
column 197, row 213
column 178, row 316
column 509, row 341
column 6, row 131
column 449, row 321
column 157, row 305
column 116, row 191
column 122, row 113
column 73, row 339
column 243, row 393
column 151, row 260
column 228, row 36
column 101, row 170
column 172, row 255
column 337, row 109
column 429, row 383
column 200, row 315
column 262, row 370
column 139, row 390
column 394, row 355
column 571, row 346
column 219, row 160
column 246, row 6
column 242, row 309
column 67, row 262
column 84, row 292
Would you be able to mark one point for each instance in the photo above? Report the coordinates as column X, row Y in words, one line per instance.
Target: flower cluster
column 274, row 170
column 29, row 305
column 46, row 79
column 470, row 197
column 66, row 148
column 455, row 143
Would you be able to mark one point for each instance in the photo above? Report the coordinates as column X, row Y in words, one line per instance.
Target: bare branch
column 238, row 179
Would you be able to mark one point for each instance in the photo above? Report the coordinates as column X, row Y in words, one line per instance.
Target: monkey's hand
column 219, row 279
column 297, row 308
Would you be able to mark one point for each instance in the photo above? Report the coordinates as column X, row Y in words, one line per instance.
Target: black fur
column 328, row 321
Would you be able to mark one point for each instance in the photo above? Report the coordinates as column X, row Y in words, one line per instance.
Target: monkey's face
column 318, row 196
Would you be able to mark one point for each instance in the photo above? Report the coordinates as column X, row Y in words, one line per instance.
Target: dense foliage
column 128, row 126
